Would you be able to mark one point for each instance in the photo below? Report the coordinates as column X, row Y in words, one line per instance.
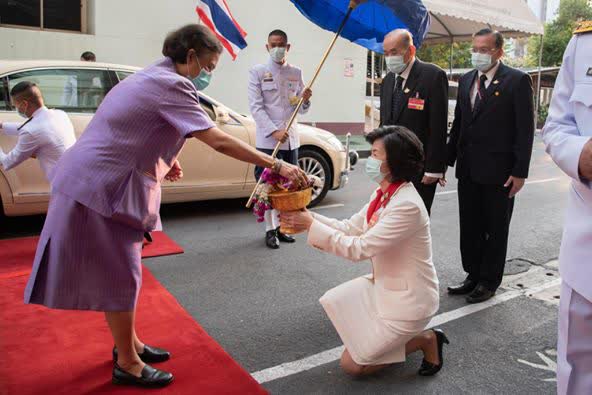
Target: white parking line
column 526, row 183
column 325, row 357
column 328, row 206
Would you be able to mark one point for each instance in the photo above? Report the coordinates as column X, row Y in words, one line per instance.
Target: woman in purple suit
column 106, row 194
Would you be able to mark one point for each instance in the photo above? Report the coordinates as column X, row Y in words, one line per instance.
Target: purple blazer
column 117, row 166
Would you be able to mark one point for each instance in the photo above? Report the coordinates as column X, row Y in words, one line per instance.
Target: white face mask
column 395, row 64
column 278, row 54
column 481, row 61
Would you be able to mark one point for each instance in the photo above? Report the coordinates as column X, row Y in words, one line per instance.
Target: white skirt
column 370, row 340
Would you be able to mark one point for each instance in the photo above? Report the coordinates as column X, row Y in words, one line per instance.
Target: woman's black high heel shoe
column 428, row 368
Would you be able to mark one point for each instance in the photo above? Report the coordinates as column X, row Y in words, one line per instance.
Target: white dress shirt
column 490, row 75
column 46, row 135
column 405, row 75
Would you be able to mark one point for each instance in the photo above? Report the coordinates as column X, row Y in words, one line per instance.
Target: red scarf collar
column 382, row 199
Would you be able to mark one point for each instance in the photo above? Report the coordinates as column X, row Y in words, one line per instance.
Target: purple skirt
column 85, row 261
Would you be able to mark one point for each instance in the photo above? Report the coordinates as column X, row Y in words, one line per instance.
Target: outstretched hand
column 293, row 173
column 300, row 221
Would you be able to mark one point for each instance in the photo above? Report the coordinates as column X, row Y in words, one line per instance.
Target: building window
column 65, row 15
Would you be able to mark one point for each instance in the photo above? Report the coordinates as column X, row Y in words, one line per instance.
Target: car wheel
column 315, row 164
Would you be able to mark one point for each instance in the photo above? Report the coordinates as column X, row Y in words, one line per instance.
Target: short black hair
column 23, row 87
column 499, row 38
column 278, row 32
column 197, row 37
column 89, row 56
column 404, row 151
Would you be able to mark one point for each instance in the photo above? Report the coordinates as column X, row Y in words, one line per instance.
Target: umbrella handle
column 352, row 5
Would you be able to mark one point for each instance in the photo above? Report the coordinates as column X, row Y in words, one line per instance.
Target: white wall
column 132, row 31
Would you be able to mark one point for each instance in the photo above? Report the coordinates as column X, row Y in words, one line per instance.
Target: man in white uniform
column 45, row 135
column 275, row 88
column 568, row 137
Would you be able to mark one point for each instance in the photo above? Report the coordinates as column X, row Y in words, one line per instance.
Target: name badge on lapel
column 415, row 103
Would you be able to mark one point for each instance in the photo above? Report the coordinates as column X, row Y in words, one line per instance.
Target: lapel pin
column 406, row 90
column 495, row 82
column 497, row 93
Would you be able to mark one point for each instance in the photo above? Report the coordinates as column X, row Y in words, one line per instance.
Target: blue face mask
column 202, row 81
column 373, row 169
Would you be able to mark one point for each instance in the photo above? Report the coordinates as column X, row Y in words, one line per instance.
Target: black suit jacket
column 496, row 141
column 428, row 82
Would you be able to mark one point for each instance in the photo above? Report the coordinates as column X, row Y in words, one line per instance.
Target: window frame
column 83, row 21
column 6, row 77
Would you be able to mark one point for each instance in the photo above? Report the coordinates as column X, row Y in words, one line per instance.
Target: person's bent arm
column 26, row 148
column 228, row 145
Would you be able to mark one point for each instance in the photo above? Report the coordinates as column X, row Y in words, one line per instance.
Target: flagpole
column 352, row 5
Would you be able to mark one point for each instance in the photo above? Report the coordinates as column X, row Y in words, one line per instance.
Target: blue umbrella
column 367, row 23
column 364, row 22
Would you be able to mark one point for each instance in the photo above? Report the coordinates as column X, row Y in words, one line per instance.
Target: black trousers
column 426, row 192
column 288, row 156
column 485, row 214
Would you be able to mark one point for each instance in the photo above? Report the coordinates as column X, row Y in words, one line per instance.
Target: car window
column 71, row 90
column 4, row 101
column 452, row 92
column 208, row 108
column 121, row 75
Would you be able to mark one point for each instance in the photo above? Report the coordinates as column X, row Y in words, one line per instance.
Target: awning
column 458, row 19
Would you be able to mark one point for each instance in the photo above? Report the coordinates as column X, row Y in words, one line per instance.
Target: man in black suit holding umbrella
column 491, row 142
column 414, row 94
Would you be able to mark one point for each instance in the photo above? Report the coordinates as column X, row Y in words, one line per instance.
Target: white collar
column 40, row 110
column 491, row 73
column 276, row 66
column 405, row 73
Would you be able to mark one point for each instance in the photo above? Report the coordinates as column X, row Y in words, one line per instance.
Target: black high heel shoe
column 428, row 368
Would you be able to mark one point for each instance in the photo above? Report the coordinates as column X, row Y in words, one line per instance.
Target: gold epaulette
column 583, row 27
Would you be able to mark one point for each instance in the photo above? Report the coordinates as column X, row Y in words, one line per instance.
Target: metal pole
column 373, row 74
column 538, row 92
column 353, row 4
column 451, row 55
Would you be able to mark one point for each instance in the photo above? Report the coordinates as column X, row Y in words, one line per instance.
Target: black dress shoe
column 148, row 237
column 480, row 294
column 271, row 240
column 428, row 368
column 150, row 354
column 284, row 238
column 466, row 287
column 150, row 377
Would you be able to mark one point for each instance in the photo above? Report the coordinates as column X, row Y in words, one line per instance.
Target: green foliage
column 440, row 54
column 558, row 33
column 542, row 115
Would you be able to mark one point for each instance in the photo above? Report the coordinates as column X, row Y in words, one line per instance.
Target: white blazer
column 400, row 248
column 567, row 130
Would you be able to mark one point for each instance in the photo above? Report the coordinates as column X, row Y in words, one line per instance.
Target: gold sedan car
column 79, row 87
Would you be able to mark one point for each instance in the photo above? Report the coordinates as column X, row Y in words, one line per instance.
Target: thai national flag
column 216, row 15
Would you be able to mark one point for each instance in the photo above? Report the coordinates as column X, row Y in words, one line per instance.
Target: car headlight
column 334, row 141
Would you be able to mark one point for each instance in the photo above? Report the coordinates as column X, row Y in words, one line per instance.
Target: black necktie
column 480, row 93
column 397, row 98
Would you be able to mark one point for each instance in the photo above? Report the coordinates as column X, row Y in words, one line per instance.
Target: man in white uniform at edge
column 568, row 137
column 45, row 135
column 274, row 91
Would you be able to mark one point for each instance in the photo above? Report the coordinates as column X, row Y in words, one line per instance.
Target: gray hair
column 406, row 36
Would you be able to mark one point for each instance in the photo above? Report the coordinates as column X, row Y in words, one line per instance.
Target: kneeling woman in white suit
column 382, row 317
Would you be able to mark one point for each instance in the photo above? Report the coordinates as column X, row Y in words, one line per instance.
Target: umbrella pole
column 352, row 6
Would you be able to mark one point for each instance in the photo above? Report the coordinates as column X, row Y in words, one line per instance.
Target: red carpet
column 45, row 351
column 15, row 252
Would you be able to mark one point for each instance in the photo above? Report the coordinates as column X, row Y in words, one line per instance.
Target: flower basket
column 276, row 192
column 290, row 201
